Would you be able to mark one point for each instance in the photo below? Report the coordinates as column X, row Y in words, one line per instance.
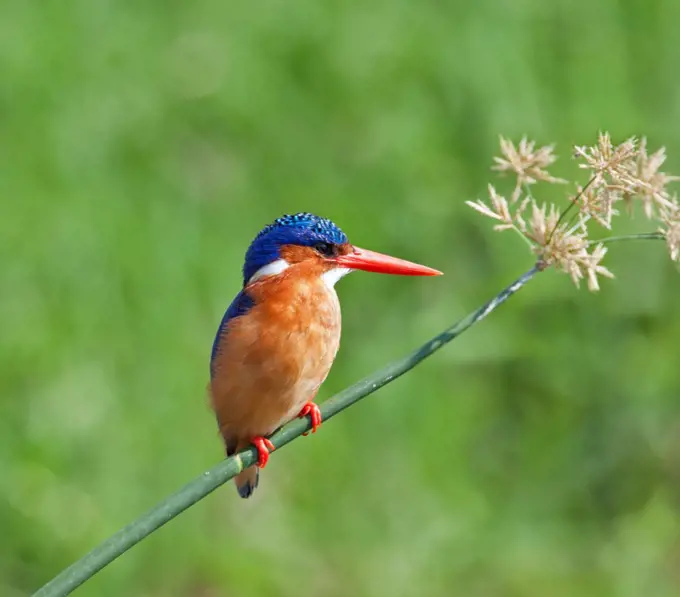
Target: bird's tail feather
column 247, row 480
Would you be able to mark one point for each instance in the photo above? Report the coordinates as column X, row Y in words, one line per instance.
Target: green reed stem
column 641, row 236
column 102, row 555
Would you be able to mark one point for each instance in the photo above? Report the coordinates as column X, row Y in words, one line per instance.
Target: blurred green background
column 143, row 145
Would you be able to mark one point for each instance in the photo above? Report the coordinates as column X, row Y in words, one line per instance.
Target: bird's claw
column 264, row 447
column 311, row 409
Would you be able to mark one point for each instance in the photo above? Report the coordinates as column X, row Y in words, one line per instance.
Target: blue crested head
column 303, row 229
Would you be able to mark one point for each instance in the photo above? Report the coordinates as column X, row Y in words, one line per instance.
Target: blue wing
column 239, row 306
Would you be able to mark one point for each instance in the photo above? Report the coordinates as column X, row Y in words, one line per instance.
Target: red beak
column 370, row 261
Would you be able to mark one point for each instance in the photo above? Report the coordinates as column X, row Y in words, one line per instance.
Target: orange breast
column 273, row 359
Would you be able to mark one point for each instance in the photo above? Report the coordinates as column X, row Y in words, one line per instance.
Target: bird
column 280, row 335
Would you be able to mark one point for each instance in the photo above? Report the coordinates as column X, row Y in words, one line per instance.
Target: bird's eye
column 326, row 249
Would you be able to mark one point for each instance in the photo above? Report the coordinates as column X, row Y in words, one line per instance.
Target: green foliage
column 143, row 145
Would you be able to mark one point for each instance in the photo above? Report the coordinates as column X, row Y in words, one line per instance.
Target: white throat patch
column 271, row 269
column 333, row 275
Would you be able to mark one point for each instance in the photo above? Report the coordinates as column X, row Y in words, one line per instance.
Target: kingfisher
column 279, row 337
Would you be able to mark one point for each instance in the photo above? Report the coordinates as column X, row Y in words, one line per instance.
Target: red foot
column 264, row 446
column 313, row 411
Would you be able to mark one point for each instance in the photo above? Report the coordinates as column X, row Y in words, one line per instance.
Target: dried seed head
column 610, row 165
column 652, row 184
column 526, row 162
column 619, row 173
column 542, row 223
column 670, row 218
column 593, row 267
column 566, row 248
column 598, row 203
column 498, row 210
